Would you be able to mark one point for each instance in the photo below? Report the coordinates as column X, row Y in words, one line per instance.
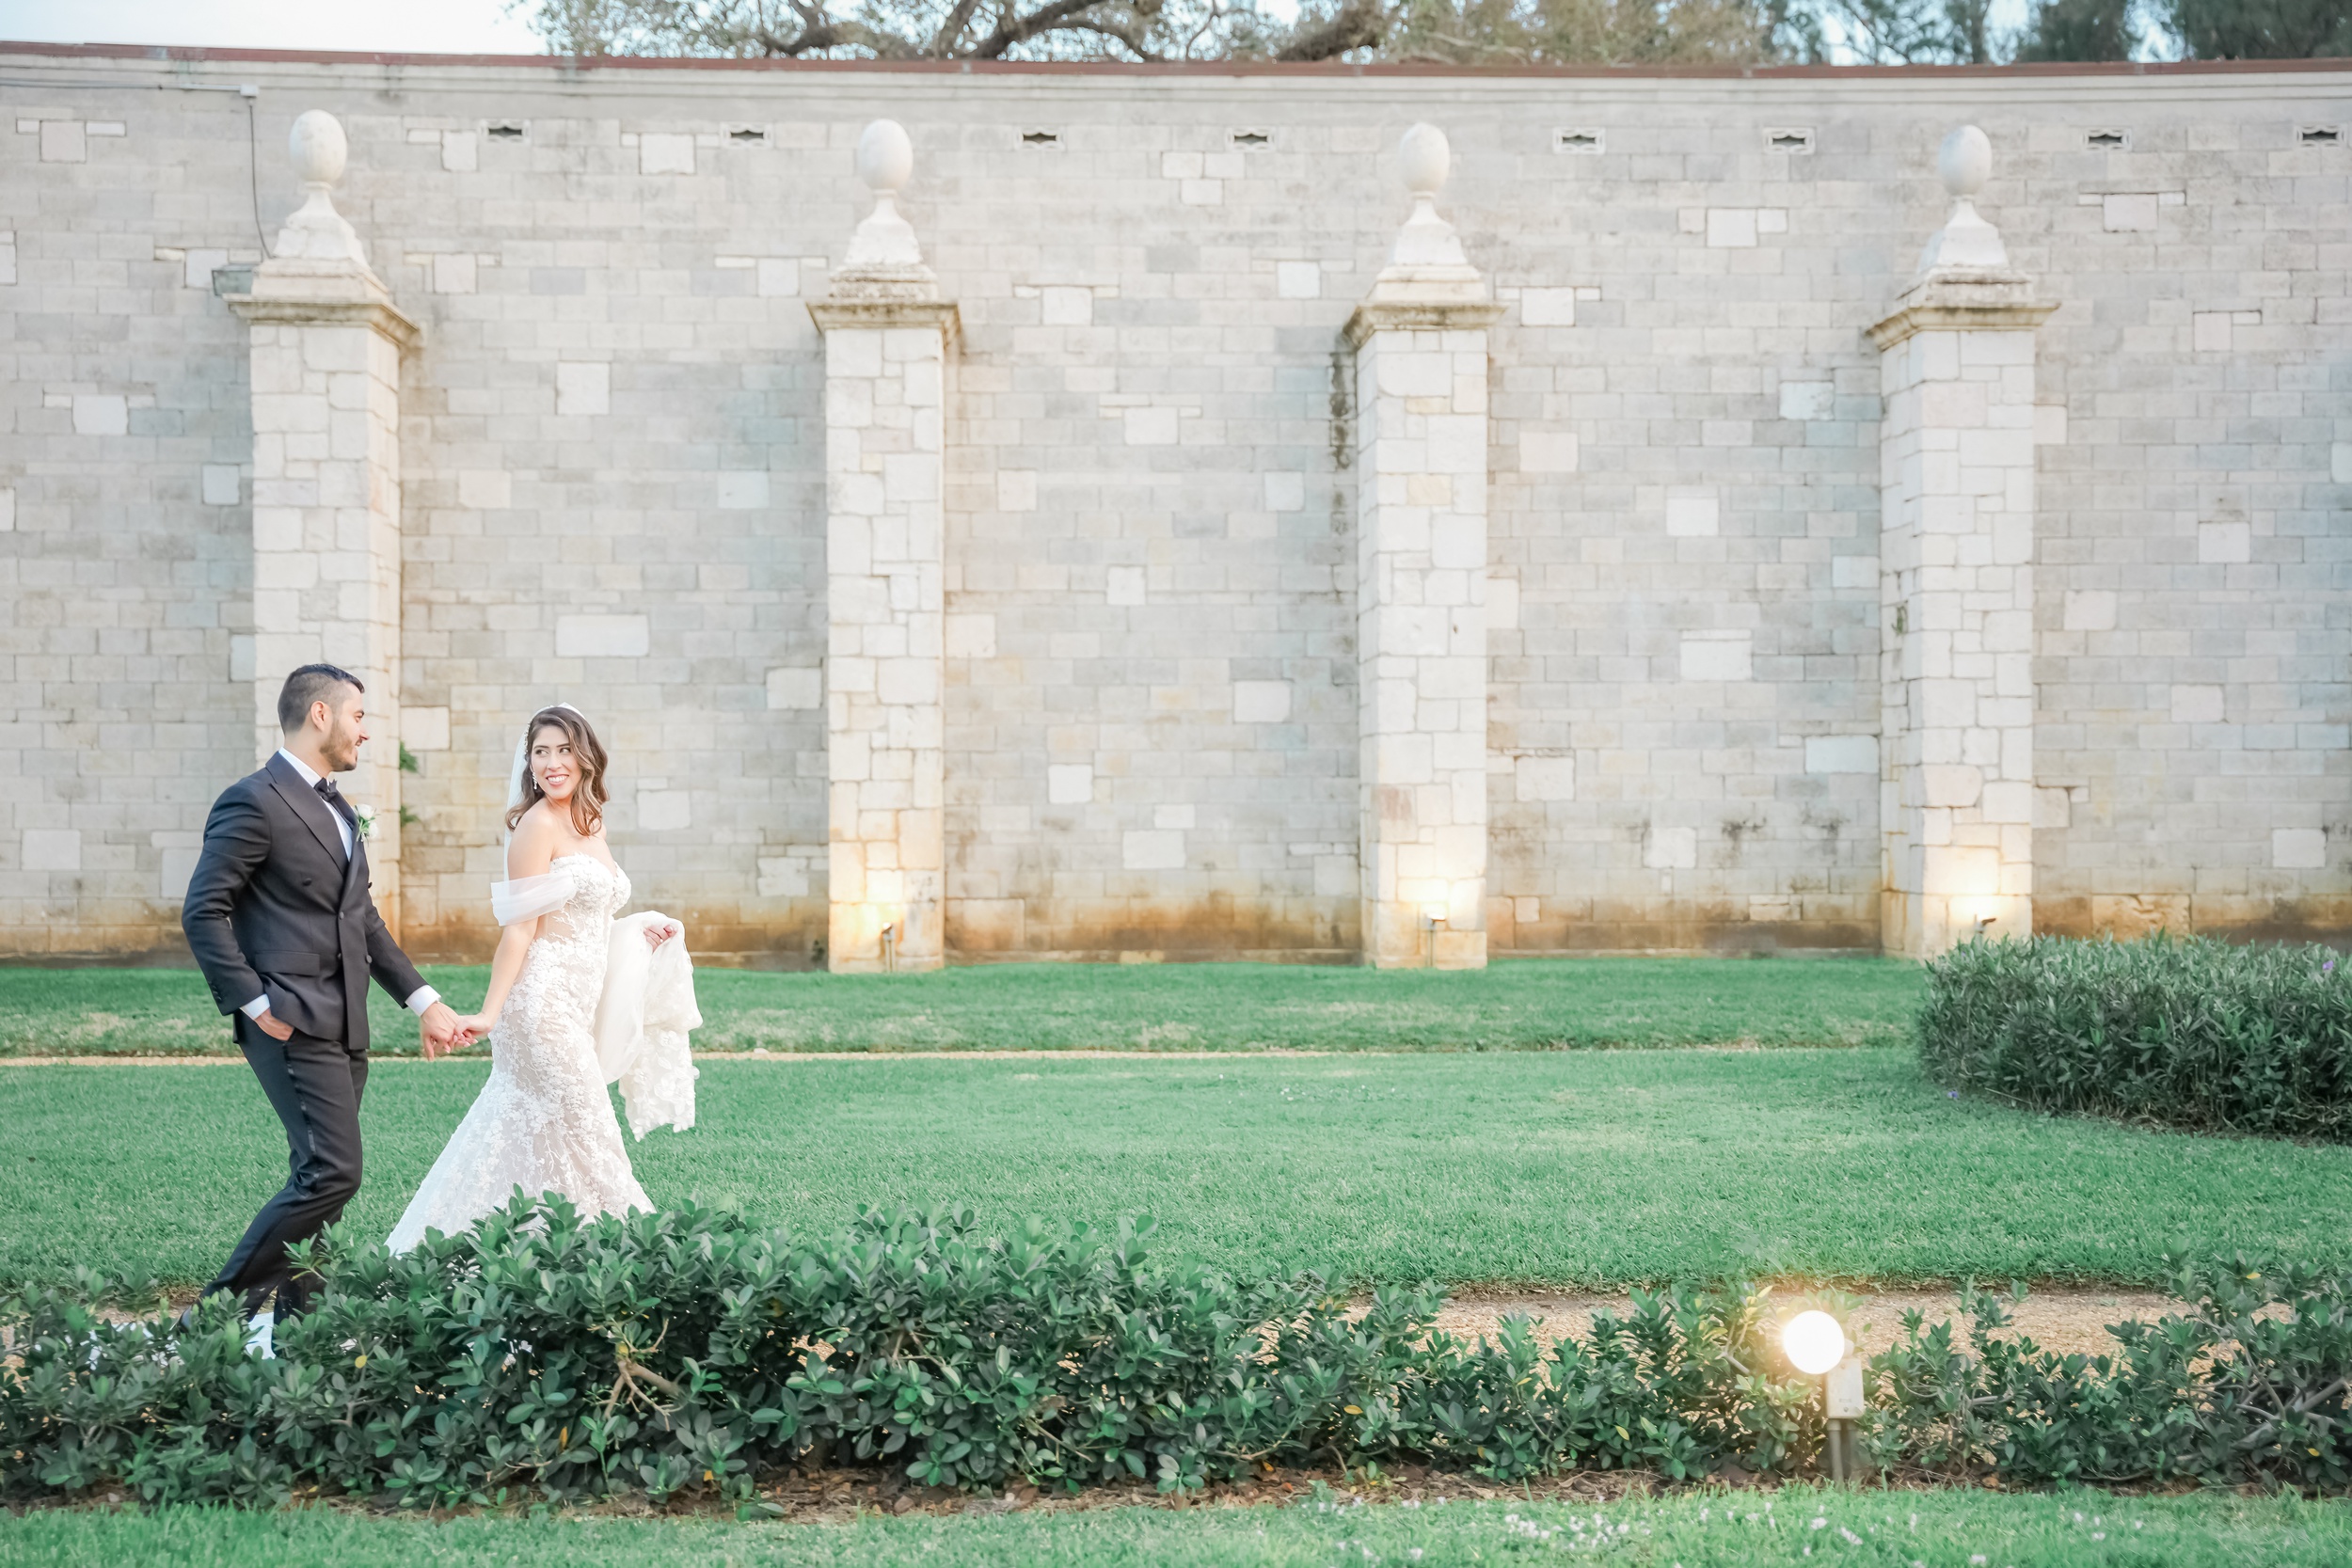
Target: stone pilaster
column 887, row 335
column 1421, row 587
column 326, row 342
column 1956, row 460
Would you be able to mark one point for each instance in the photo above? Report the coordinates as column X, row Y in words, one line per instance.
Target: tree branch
column 1357, row 24
column 1051, row 16
column 951, row 28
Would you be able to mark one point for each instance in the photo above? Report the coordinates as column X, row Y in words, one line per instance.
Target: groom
column 280, row 918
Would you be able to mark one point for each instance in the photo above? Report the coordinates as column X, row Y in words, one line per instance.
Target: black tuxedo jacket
column 275, row 909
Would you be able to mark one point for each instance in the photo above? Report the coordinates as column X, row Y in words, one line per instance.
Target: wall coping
column 584, row 65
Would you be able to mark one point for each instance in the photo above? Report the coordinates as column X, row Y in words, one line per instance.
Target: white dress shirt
column 423, row 996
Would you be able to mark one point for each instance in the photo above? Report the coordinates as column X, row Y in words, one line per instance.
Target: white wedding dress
column 543, row 1121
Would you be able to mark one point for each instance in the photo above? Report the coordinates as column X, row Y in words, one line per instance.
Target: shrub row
column 2190, row 1031
column 688, row 1354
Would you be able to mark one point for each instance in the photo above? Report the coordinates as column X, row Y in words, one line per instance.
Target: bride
column 572, row 1006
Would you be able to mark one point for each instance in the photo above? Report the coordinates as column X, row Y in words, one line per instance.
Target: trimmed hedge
column 2186, row 1031
column 688, row 1354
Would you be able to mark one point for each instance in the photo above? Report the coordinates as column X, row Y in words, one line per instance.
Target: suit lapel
column 316, row 814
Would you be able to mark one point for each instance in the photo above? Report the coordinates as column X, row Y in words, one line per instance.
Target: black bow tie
column 334, row 799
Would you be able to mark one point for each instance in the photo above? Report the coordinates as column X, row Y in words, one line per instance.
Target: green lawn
column 1528, row 1005
column 1563, row 1168
column 1708, row 1530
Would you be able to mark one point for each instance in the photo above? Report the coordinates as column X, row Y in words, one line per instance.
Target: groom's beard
column 341, row 750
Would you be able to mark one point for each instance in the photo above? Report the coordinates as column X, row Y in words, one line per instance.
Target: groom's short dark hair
column 312, row 683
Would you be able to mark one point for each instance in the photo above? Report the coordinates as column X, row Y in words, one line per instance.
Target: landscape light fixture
column 1816, row 1345
column 1431, row 921
column 890, row 948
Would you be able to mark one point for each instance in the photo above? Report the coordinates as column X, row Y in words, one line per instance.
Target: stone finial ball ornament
column 1966, row 161
column 1425, row 158
column 884, row 155
column 318, row 149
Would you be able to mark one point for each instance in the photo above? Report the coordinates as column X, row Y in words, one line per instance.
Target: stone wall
column 611, row 482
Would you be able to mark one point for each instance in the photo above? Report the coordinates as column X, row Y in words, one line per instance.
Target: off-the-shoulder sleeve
column 529, row 897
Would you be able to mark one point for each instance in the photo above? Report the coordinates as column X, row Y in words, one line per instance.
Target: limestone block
column 425, row 729
column 1696, row 514
column 2089, row 610
column 971, row 636
column 1548, row 451
column 176, row 868
column 583, row 387
column 2291, row 848
column 63, row 141
column 51, row 849
column 1261, row 702
column 603, row 636
column 783, row 877
column 664, row 811
column 1718, row 656
column 486, row 489
column 1808, row 400
column 1064, row 306
column 2225, row 542
column 1730, row 228
column 743, row 491
column 2197, row 704
column 1153, row 849
column 1152, row 427
column 100, row 414
column 1841, row 753
column 665, row 152
column 1671, row 848
column 1546, row 778
column 796, row 689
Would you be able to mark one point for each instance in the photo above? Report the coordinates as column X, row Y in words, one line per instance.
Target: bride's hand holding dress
column 476, row 1026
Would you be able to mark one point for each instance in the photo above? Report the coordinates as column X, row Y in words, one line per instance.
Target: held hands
column 444, row 1031
column 657, row 935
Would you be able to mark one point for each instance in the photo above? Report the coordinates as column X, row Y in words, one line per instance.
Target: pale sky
column 403, row 26
column 408, row 26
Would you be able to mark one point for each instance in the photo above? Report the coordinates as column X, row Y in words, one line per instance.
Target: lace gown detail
column 543, row 1121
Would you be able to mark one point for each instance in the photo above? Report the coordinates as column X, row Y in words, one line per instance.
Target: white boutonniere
column 367, row 820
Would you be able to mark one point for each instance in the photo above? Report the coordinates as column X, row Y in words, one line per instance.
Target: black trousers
column 314, row 1086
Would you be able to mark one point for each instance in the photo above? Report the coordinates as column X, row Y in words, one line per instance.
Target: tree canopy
column 1461, row 32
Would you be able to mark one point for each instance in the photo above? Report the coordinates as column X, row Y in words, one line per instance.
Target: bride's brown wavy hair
column 588, row 796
